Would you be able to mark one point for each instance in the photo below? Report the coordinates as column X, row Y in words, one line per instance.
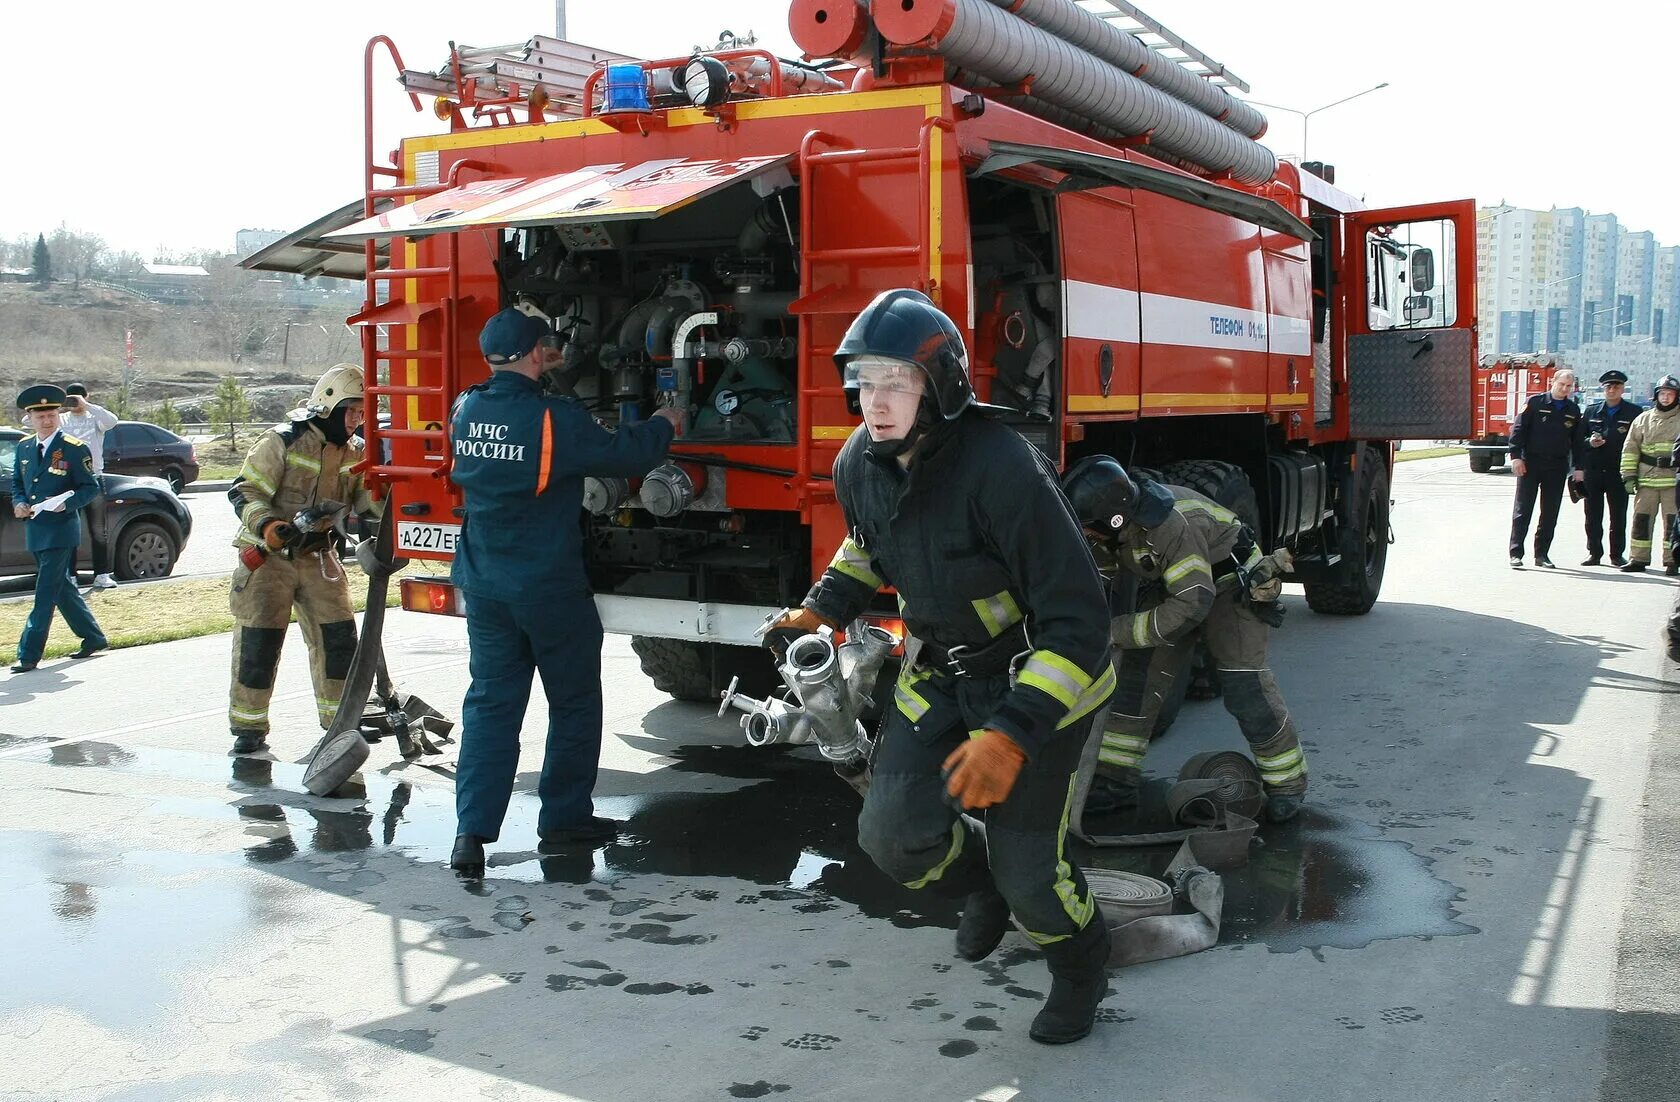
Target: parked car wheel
column 176, row 479
column 144, row 550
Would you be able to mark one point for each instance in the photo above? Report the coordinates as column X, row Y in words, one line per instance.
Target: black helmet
column 1667, row 382
column 1103, row 495
column 905, row 325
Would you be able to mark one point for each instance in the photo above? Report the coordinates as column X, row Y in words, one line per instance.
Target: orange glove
column 278, row 533
column 792, row 624
column 981, row 771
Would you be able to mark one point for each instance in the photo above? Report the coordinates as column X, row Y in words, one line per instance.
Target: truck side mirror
column 1418, row 307
column 1423, row 270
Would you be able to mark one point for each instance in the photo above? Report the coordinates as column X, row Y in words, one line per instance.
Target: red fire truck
column 1136, row 275
column 1503, row 386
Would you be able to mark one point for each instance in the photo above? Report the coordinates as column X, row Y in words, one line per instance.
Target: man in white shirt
column 89, row 423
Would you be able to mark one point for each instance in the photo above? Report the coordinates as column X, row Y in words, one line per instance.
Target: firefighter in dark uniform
column 1606, row 428
column 1216, row 586
column 1007, row 670
column 1545, row 443
column 520, row 458
column 49, row 465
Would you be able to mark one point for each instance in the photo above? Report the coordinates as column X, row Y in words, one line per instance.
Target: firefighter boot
column 1114, row 791
column 1078, row 982
column 985, row 919
column 467, row 859
column 248, row 742
column 1281, row 808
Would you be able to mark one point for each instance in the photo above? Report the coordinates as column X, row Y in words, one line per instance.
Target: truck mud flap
column 1408, row 384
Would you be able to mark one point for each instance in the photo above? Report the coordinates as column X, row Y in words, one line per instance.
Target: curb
column 211, row 486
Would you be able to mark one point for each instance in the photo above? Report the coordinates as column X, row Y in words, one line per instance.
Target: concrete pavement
column 1471, row 909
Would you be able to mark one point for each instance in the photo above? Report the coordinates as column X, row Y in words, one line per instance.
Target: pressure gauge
column 726, row 402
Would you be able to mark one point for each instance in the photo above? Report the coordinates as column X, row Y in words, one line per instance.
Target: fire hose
column 343, row 749
column 1215, row 800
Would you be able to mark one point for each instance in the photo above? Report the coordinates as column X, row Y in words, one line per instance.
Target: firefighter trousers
column 262, row 601
column 1646, row 504
column 1606, row 498
column 1237, row 640
column 913, row 831
column 559, row 641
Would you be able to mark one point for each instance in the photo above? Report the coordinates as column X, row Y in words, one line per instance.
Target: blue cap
column 510, row 336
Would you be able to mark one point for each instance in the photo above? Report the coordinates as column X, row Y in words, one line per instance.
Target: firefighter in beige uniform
column 293, row 467
column 1648, row 471
column 1218, row 586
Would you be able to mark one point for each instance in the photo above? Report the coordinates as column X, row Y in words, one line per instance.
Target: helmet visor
column 869, row 373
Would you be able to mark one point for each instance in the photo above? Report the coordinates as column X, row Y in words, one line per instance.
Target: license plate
column 413, row 536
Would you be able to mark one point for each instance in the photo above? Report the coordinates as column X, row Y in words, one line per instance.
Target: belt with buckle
column 986, row 660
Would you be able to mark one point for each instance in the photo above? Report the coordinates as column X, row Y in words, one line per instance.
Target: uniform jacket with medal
column 68, row 466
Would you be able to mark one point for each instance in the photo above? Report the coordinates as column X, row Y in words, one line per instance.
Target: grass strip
column 132, row 616
column 1405, row 454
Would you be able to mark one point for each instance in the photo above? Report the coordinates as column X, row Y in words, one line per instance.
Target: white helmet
column 340, row 383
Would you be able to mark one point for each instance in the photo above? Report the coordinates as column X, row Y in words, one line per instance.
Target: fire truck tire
column 1359, row 576
column 678, row 668
column 1481, row 461
column 683, row 670
column 1223, row 482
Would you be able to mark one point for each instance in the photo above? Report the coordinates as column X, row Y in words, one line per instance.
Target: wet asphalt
column 1469, row 909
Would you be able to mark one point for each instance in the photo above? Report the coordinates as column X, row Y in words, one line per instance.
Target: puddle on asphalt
column 1322, row 881
column 1319, row 882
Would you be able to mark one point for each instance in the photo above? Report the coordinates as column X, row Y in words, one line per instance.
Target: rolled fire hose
column 1216, row 798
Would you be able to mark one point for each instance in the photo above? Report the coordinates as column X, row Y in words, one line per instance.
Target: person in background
column 1607, row 423
column 52, row 479
column 89, row 423
column 1648, row 466
column 1545, row 443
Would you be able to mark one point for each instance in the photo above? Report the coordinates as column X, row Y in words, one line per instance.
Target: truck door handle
column 1425, row 344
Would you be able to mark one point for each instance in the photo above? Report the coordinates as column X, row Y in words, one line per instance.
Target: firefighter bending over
column 1008, row 666
column 1218, row 587
column 1648, row 466
column 291, row 468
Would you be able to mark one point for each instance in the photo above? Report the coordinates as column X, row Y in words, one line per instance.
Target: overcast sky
column 176, row 124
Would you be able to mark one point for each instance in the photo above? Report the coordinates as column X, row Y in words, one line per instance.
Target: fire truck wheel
column 1223, row 482
column 1359, row 576
column 684, row 670
column 1481, row 461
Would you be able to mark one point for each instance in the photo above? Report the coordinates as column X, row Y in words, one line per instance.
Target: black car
column 141, row 448
column 148, row 524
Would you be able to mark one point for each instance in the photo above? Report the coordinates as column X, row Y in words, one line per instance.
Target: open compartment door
column 583, row 199
column 1412, row 342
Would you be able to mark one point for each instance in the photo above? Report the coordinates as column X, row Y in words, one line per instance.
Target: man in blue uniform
column 51, row 480
column 1607, row 422
column 1008, row 667
column 521, row 457
column 1545, row 442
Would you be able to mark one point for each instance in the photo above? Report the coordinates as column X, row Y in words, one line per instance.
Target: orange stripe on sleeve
column 547, row 451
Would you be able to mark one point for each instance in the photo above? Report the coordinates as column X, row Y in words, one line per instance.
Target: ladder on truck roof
column 1127, row 17
column 495, row 79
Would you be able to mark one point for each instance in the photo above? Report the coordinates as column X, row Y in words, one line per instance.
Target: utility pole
column 560, row 19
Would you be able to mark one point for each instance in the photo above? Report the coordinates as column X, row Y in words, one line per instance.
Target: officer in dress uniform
column 1607, row 423
column 52, row 467
column 521, row 457
column 1545, row 442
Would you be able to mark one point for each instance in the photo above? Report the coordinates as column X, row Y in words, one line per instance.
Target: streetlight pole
column 1306, row 116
